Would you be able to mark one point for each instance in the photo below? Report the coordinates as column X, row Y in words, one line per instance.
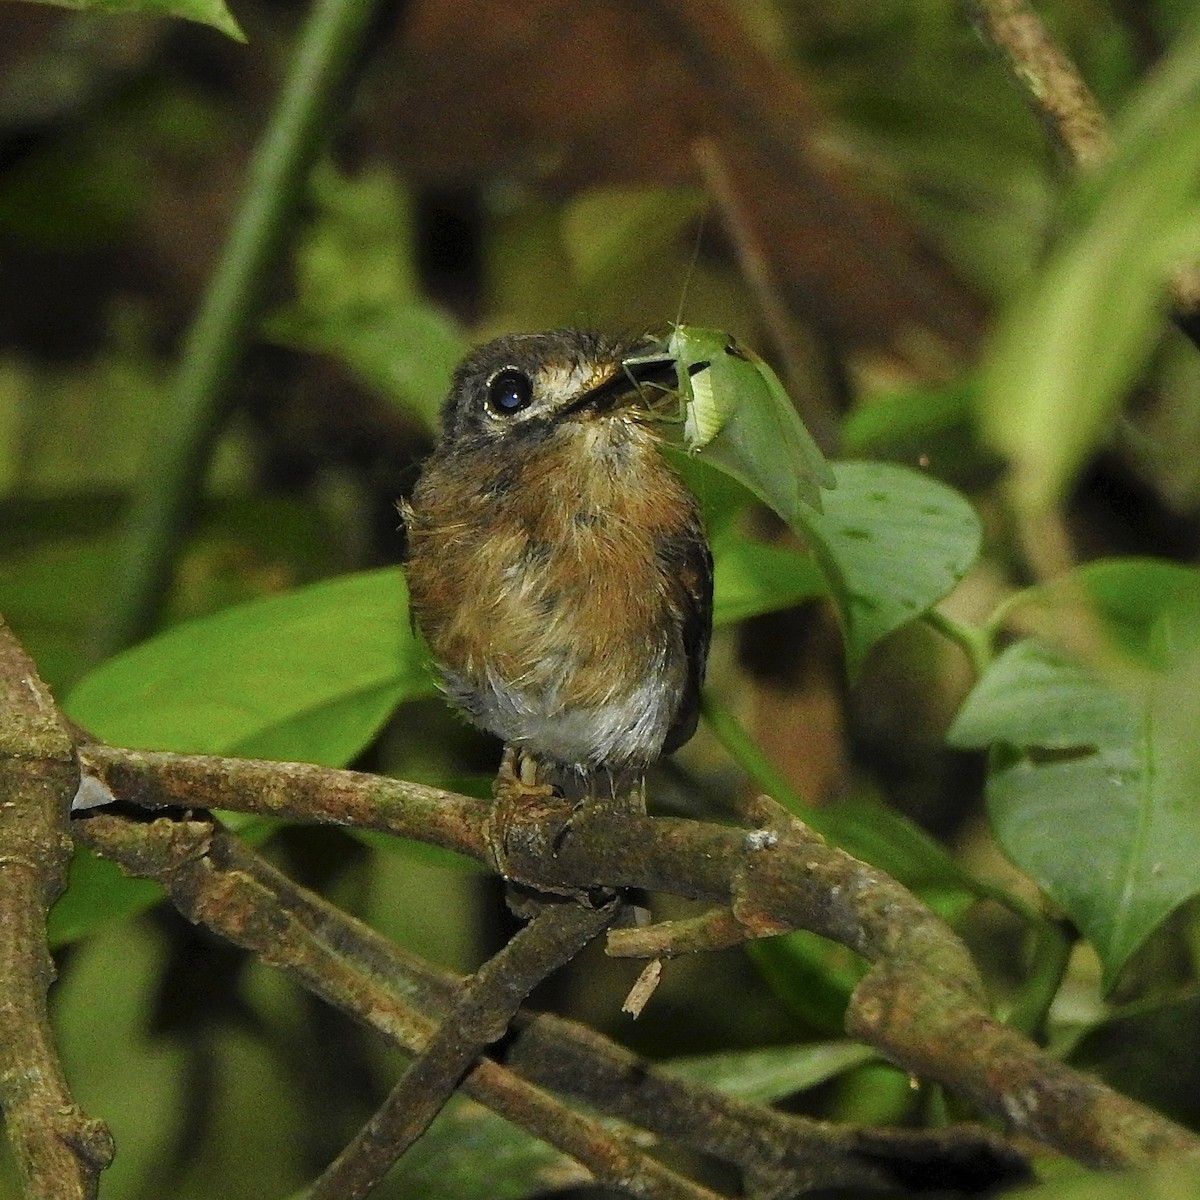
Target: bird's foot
column 516, row 825
column 516, row 780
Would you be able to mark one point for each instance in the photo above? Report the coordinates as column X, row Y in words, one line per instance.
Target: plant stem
column 326, row 60
column 976, row 642
column 1051, row 954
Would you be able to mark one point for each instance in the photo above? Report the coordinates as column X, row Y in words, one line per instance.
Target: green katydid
column 736, row 415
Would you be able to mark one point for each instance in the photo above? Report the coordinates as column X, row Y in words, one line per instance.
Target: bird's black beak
column 649, row 367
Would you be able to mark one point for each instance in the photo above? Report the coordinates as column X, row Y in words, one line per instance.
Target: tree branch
column 922, row 1003
column 1048, row 79
column 60, row 1151
column 480, row 1015
column 215, row 880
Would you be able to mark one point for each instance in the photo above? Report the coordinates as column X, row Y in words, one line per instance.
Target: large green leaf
column 1166, row 1181
column 892, row 543
column 1092, row 782
column 97, row 893
column 751, row 577
column 308, row 675
column 1075, row 339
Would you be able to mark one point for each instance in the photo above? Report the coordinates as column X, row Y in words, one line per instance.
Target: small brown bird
column 557, row 566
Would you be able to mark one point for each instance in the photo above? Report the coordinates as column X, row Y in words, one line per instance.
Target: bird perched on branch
column 557, row 566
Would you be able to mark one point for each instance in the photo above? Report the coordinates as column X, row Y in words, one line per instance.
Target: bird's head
column 526, row 385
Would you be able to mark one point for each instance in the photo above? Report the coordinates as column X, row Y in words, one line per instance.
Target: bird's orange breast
column 550, row 581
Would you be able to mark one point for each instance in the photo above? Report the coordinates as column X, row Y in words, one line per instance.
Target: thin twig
column 479, row 1016
column 59, row 1150
column 1048, row 79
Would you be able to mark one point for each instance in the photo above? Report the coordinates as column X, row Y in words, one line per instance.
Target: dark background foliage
column 859, row 191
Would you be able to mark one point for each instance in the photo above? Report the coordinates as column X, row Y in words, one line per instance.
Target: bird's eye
column 508, row 392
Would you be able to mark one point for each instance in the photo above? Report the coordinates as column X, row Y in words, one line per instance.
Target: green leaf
column 892, row 543
column 909, row 419
column 48, row 596
column 358, row 297
column 1090, row 790
column 767, row 1075
column 98, row 892
column 207, row 12
column 750, row 578
column 308, row 675
column 1075, row 340
column 1141, row 602
column 606, row 231
column 405, row 352
column 1148, row 1052
column 811, row 975
column 878, row 834
column 472, row 1154
column 1167, row 1181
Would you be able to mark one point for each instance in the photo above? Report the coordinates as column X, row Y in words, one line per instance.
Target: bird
column 557, row 566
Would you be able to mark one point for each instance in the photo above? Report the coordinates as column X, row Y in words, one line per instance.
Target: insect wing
column 739, row 418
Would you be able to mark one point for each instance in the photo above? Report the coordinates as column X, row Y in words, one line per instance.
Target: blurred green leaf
column 614, row 229
column 628, row 248
column 472, row 1154
column 81, row 425
column 935, row 428
column 75, row 192
column 1091, row 786
column 770, row 1074
column 309, row 675
column 206, row 12
column 1140, row 601
column 1167, row 1181
column 811, row 975
column 879, row 835
column 1075, row 340
column 908, row 419
column 751, row 577
column 97, row 892
column 358, row 297
column 1149, row 1052
column 892, row 543
column 49, row 595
